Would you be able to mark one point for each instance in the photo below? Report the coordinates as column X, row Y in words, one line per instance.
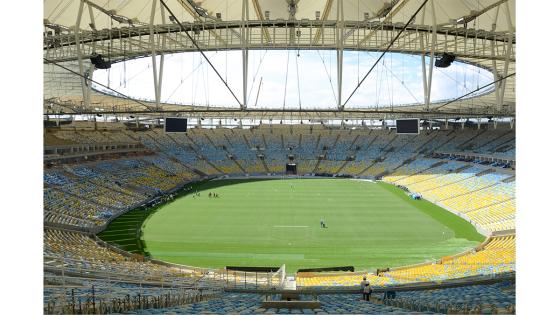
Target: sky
column 291, row 79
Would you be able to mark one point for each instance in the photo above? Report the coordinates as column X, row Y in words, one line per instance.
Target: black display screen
column 407, row 126
column 175, row 125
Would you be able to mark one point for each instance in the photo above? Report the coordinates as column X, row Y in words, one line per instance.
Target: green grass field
column 271, row 222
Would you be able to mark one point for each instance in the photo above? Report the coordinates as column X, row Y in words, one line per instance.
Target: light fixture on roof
column 267, row 15
column 445, row 60
column 366, row 16
column 98, row 61
column 219, row 16
column 317, row 15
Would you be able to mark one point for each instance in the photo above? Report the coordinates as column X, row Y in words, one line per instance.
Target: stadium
column 279, row 157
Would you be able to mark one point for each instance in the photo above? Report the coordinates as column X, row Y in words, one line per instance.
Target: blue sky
column 290, row 81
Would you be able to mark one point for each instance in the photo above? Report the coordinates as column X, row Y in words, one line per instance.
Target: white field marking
column 364, row 180
column 291, row 226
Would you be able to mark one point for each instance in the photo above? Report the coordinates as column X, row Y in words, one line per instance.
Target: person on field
column 322, row 223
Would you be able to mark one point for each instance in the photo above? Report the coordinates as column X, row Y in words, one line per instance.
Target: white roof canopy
column 480, row 32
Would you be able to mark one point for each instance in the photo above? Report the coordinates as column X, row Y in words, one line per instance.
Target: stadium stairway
column 471, row 139
column 451, row 137
column 240, row 166
column 341, row 167
column 371, row 142
column 198, row 153
column 265, row 166
column 316, row 167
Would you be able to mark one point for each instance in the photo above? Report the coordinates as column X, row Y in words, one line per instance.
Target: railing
column 103, row 297
column 476, row 156
column 64, row 269
column 67, row 151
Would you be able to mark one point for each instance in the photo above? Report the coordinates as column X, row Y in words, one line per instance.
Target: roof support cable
column 329, row 75
column 256, row 73
column 474, row 91
column 402, row 83
column 297, row 75
column 385, row 51
column 286, row 80
column 200, row 50
column 190, row 75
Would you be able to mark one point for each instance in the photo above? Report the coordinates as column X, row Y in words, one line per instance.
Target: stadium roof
column 479, row 32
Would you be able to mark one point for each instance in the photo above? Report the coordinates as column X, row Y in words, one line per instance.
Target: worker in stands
column 363, row 285
column 367, row 292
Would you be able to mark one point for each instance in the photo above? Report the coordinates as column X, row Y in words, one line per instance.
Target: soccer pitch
column 274, row 222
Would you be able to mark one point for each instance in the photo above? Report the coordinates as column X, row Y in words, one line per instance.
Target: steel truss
column 130, row 42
